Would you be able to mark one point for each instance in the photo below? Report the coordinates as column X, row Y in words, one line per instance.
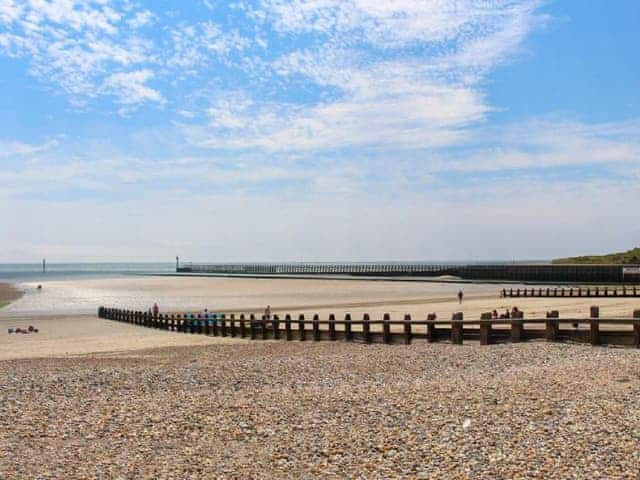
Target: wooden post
column 287, row 327
column 517, row 328
column 243, row 327
column 332, row 327
column 302, row 333
column 485, row 328
column 232, row 321
column 432, row 333
column 263, row 326
column 316, row 328
column 252, row 326
column 636, row 328
column 407, row 330
column 552, row 326
column 386, row 328
column 457, row 328
column 223, row 325
column 594, row 325
column 348, row 333
column 366, row 328
column 275, row 323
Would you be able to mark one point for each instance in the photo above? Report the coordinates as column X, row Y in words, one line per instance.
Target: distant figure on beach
column 494, row 314
column 39, row 287
column 460, row 295
column 506, row 313
column 267, row 311
column 156, row 309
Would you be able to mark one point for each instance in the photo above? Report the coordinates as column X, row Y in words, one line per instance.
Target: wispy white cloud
column 132, row 88
column 384, row 92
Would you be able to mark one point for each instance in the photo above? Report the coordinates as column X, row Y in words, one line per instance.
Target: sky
column 318, row 130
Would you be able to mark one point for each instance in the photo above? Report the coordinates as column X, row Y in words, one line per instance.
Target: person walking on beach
column 460, row 295
column 267, row 312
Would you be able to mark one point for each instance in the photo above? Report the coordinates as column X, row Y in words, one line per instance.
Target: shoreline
column 8, row 294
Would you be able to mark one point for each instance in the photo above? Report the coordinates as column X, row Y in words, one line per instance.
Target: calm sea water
column 32, row 272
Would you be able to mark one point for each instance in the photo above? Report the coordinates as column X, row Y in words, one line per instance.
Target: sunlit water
column 73, row 290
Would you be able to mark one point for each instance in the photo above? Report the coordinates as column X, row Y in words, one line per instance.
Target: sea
column 32, row 272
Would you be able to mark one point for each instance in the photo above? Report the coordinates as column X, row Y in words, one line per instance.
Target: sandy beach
column 64, row 311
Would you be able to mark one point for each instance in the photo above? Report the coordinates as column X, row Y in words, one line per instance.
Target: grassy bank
column 629, row 257
column 3, row 304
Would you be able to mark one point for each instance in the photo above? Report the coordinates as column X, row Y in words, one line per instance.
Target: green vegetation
column 3, row 304
column 632, row 256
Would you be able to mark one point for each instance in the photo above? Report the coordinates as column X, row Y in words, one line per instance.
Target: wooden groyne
column 596, row 292
column 593, row 330
column 540, row 273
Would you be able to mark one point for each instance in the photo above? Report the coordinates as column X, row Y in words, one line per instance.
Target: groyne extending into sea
column 486, row 330
column 533, row 273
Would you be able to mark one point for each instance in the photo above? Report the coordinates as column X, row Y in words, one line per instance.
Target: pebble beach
column 269, row 410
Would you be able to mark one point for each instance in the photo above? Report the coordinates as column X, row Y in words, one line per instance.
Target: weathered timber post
column 432, row 334
column 287, row 327
column 275, row 324
column 571, row 292
column 366, row 328
column 223, row 325
column 302, row 333
column 485, row 328
column 457, row 328
column 579, row 291
column 552, row 326
column 386, row 328
column 606, row 291
column 332, row 327
column 563, row 291
column 407, row 329
column 263, row 327
column 243, row 326
column 172, row 323
column 252, row 326
column 518, row 293
column 517, row 327
column 594, row 325
column 636, row 328
column 315, row 323
column 615, row 292
column 548, row 292
column 232, row 321
column 348, row 333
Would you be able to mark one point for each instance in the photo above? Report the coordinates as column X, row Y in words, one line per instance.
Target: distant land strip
column 630, row 257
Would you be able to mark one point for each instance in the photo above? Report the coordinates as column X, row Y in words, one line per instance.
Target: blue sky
column 318, row 129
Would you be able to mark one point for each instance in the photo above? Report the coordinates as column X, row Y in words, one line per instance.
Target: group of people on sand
column 514, row 313
column 30, row 329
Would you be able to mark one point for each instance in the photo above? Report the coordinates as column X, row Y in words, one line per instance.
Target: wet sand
column 8, row 293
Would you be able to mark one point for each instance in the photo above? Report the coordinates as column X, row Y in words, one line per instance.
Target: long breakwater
column 535, row 273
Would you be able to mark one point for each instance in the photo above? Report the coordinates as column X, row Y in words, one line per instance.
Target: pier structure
column 515, row 272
